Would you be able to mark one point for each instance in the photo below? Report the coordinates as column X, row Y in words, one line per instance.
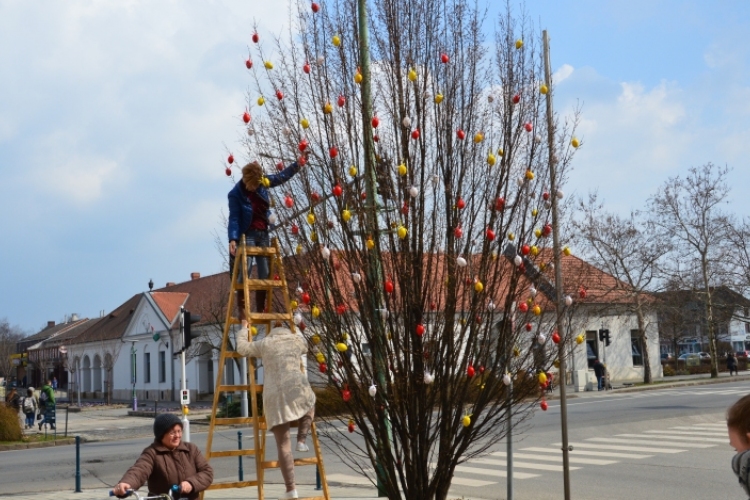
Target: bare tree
column 691, row 223
column 415, row 233
column 9, row 336
column 628, row 249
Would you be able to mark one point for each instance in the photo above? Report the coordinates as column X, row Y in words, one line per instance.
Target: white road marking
column 648, row 442
column 695, row 432
column 624, row 448
column 667, row 435
column 556, row 458
column 521, row 465
column 590, row 453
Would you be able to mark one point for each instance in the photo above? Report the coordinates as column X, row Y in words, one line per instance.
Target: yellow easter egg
column 311, row 218
column 268, row 65
column 346, row 215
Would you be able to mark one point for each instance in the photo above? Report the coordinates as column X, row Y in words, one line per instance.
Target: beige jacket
column 287, row 395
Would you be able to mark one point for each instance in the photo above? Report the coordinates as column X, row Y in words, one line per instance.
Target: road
column 667, row 443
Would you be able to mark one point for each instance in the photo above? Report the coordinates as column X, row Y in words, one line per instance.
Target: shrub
column 668, row 371
column 10, row 424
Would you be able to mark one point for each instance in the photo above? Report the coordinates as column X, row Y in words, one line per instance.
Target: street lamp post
column 133, row 370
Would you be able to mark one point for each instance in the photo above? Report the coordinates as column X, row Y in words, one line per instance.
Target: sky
column 116, row 119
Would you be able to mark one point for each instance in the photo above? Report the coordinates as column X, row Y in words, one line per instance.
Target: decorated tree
column 419, row 231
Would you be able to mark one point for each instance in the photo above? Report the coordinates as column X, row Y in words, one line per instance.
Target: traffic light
column 604, row 337
column 187, row 335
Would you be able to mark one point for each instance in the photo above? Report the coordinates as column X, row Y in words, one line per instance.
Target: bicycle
column 172, row 495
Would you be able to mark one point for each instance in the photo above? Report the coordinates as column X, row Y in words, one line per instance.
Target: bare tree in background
column 415, row 301
column 9, row 336
column 691, row 223
column 628, row 249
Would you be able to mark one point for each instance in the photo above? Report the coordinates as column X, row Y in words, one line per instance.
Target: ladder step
column 232, row 453
column 233, row 420
column 236, row 484
column 274, row 464
column 259, row 284
column 262, row 424
column 259, row 317
column 260, row 250
column 232, row 388
column 233, row 354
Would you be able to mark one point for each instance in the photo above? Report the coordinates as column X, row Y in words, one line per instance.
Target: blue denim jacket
column 240, row 208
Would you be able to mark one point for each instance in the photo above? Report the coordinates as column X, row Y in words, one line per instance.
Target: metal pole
column 78, row 380
column 67, row 408
column 558, row 268
column 318, row 485
column 185, row 421
column 509, row 442
column 132, row 361
column 78, row 464
column 374, row 277
column 240, row 473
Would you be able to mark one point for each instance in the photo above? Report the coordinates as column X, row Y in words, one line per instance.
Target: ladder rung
column 232, row 453
column 260, row 250
column 236, row 484
column 232, row 388
column 274, row 464
column 270, row 316
column 262, row 424
column 259, row 284
column 233, row 420
column 233, row 354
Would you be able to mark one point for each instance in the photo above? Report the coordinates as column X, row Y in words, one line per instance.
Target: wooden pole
column 559, row 303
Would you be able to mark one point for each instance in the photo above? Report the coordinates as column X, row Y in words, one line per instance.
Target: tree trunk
column 647, row 377
column 710, row 319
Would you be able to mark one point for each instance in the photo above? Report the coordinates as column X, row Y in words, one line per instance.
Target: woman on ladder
column 287, row 395
column 249, row 204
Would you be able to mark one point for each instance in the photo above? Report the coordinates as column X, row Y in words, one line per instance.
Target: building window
column 636, row 345
column 747, row 312
column 133, row 367
column 747, row 327
column 592, row 347
column 147, row 367
column 162, row 366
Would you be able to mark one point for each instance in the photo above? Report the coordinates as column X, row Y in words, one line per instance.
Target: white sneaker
column 302, row 447
column 289, row 494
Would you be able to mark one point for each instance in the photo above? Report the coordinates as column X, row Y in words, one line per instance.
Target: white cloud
column 562, row 74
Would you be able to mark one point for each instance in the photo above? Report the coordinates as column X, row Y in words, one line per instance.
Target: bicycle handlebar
column 175, row 489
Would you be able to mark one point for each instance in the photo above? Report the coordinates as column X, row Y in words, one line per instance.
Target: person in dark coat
column 249, row 203
column 168, row 461
column 732, row 363
column 599, row 371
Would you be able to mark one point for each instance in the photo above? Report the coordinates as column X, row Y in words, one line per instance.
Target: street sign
column 185, row 397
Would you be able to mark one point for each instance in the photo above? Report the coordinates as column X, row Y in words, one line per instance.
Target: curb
column 39, row 444
column 686, row 383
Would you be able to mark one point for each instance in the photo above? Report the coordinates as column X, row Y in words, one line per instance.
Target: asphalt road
column 667, row 443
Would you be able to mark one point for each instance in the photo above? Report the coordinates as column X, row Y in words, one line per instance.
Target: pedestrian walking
column 168, row 461
column 732, row 363
column 46, row 403
column 249, row 203
column 287, row 395
column 29, row 406
column 599, row 371
column 54, row 383
column 738, row 428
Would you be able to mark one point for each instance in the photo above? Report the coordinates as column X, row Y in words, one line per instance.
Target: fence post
column 78, row 464
column 318, row 486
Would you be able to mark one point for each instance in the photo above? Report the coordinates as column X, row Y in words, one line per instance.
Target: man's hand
column 232, row 247
column 121, row 489
column 185, row 487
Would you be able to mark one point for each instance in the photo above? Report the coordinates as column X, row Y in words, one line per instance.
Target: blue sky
column 115, row 119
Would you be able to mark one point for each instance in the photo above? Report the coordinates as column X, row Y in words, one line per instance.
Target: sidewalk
column 271, row 492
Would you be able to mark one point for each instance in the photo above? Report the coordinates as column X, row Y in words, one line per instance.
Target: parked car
column 690, row 359
column 667, row 356
column 704, row 355
column 742, row 354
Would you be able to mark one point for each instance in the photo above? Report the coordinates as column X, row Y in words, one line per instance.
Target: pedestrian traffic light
column 187, row 334
column 604, row 336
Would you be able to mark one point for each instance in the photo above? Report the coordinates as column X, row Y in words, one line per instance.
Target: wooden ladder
column 241, row 281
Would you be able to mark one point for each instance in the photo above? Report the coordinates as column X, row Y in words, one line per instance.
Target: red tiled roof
column 169, row 303
column 207, row 297
column 113, row 325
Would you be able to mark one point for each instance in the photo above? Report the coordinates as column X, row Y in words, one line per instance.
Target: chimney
column 195, row 276
column 170, row 283
column 74, row 317
column 50, row 324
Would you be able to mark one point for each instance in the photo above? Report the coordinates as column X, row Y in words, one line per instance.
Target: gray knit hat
column 164, row 422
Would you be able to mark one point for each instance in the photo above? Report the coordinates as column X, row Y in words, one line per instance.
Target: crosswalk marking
column 349, row 479
column 493, row 472
column 667, row 435
column 521, row 465
column 463, row 481
column 695, row 432
column 556, row 458
column 591, row 453
column 647, row 442
column 625, row 448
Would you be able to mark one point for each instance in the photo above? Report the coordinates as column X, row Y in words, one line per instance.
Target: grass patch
column 35, row 438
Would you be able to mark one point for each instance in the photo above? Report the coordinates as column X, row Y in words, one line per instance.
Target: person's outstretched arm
column 247, row 347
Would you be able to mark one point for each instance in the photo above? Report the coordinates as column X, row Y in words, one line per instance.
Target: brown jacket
column 163, row 467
